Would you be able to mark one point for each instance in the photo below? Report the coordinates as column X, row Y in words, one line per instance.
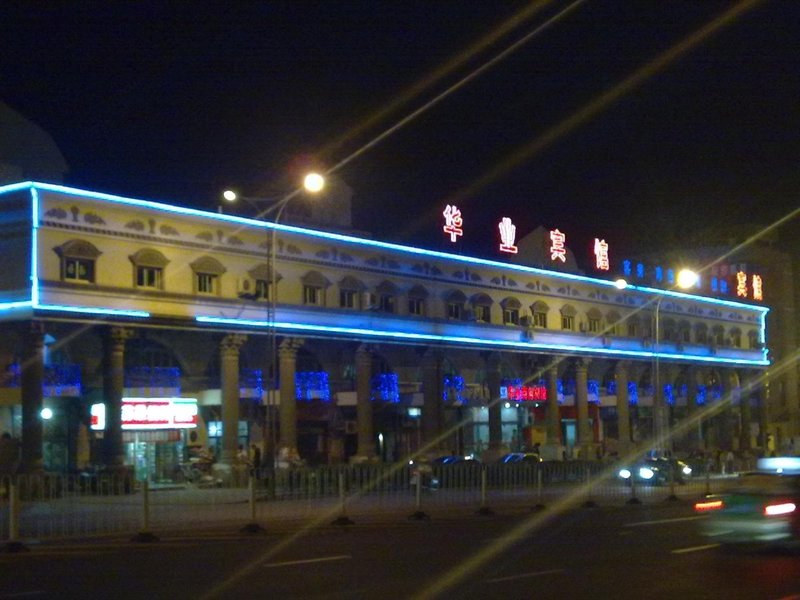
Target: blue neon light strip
column 426, row 337
column 34, row 246
column 364, row 242
column 90, row 310
column 4, row 306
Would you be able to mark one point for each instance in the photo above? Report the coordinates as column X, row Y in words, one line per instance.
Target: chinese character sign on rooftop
column 758, row 291
column 741, row 284
column 508, row 234
column 453, row 222
column 558, row 250
column 601, row 254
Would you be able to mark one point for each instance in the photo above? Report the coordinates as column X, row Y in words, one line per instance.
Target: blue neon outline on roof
column 92, row 310
column 34, row 246
column 471, row 340
column 4, row 306
column 355, row 240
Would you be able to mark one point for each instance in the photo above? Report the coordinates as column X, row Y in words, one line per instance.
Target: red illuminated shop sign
column 150, row 413
column 524, row 393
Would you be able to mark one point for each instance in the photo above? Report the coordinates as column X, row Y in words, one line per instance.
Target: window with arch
column 752, row 339
column 593, row 320
column 264, row 280
column 568, row 314
column 482, row 308
column 736, row 337
column 387, row 297
column 207, row 273
column 314, row 286
column 670, row 331
column 613, row 319
column 718, row 335
column 78, row 258
column 511, row 307
column 350, row 293
column 634, row 327
column 684, row 332
column 417, row 297
column 455, row 301
column 701, row 333
column 148, row 269
column 539, row 311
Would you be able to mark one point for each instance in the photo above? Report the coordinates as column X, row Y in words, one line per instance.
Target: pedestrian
column 255, row 460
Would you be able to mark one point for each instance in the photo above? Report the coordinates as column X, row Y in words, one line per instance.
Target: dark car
column 519, row 458
column 656, row 471
column 762, row 508
column 455, row 459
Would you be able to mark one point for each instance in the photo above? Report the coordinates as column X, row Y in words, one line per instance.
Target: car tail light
column 784, row 508
column 705, row 505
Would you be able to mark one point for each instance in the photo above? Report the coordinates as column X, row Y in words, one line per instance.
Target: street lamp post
column 661, row 425
column 312, row 183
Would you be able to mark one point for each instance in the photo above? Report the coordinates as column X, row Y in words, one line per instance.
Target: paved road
column 648, row 551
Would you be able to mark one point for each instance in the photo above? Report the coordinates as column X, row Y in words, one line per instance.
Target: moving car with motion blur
column 762, row 508
column 515, row 458
column 656, row 471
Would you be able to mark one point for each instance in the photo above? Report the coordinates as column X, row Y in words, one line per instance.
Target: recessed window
column 312, row 295
column 510, row 316
column 594, row 325
column 262, row 289
column 633, row 329
column 454, row 310
column 207, row 283
column 482, row 314
column 348, row 299
column 540, row 319
column 386, row 303
column 79, row 270
column 150, row 277
column 568, row 322
column 416, row 307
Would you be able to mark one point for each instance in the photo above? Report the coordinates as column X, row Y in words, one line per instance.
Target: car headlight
column 625, row 473
column 687, row 470
column 646, row 473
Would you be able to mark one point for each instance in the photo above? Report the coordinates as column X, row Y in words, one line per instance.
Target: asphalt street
column 646, row 551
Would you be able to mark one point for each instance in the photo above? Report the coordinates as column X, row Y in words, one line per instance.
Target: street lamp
column 313, row 183
column 661, row 426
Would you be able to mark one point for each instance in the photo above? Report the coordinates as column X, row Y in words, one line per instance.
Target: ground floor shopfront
column 340, row 401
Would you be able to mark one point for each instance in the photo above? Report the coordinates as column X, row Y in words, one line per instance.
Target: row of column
column 432, row 414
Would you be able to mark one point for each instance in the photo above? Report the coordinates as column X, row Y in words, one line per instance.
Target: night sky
column 176, row 101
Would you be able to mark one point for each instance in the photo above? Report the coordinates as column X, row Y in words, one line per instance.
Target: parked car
column 519, row 458
column 763, row 507
column 656, row 471
column 455, row 459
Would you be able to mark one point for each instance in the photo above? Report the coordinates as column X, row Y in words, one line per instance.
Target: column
column 730, row 383
column 553, row 449
column 287, row 354
column 623, row 408
column 432, row 391
column 366, row 441
column 229, row 382
column 113, row 386
column 495, row 405
column 694, row 422
column 745, row 393
column 32, row 377
column 585, row 437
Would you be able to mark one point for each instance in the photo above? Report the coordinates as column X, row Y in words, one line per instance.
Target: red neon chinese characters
column 522, row 393
column 453, row 222
column 601, row 254
column 557, row 250
column 508, row 233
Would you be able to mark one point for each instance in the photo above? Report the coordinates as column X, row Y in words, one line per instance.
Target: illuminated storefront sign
column 741, row 284
column 558, row 250
column 601, row 254
column 508, row 234
column 453, row 222
column 150, row 413
column 524, row 393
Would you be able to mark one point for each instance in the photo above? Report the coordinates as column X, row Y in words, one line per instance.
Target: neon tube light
column 427, row 337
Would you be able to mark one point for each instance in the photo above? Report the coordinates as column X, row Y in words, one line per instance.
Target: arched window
column 482, row 308
column 568, row 313
column 684, row 332
column 634, row 327
column 417, row 297
column 718, row 335
column 455, row 301
column 148, row 269
column 593, row 320
column 539, row 311
column 669, row 331
column 262, row 278
column 78, row 258
column 314, row 286
column 613, row 321
column 207, row 273
column 387, row 297
column 350, row 292
column 511, row 308
column 736, row 337
column 701, row 333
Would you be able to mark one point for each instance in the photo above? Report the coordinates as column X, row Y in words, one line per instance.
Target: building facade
column 146, row 329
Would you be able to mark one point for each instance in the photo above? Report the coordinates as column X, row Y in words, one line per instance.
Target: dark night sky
column 175, row 101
